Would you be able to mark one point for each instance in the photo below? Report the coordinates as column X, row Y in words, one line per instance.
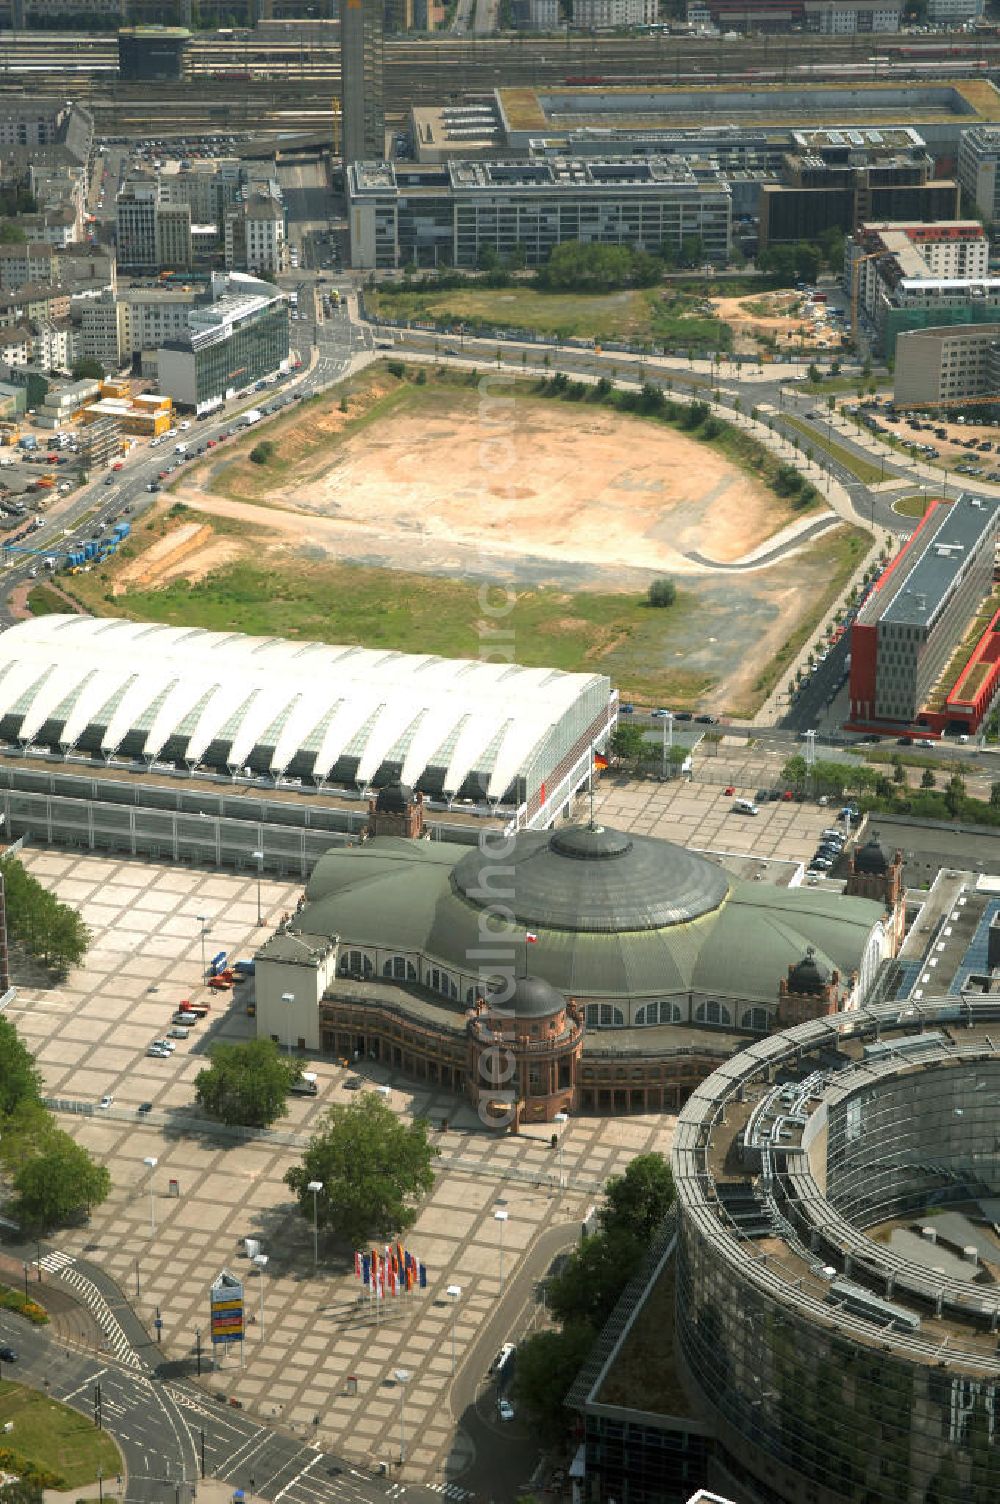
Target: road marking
column 87, row 1384
column 282, row 1492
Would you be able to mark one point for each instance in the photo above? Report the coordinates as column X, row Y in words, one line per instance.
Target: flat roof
column 943, row 550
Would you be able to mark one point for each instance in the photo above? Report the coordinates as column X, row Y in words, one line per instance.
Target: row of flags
column 391, row 1272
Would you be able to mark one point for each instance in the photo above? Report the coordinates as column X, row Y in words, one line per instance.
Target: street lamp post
column 402, row 1376
column 668, row 737
column 500, row 1217
column 260, row 1259
column 562, row 1119
column 289, row 998
column 315, row 1186
column 203, row 921
column 455, row 1291
column 151, row 1163
column 259, row 856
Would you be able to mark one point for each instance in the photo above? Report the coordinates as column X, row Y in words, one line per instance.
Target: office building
column 834, row 1310
column 152, row 53
column 236, row 337
column 837, row 177
column 535, row 15
column 361, row 81
column 152, row 235
column 608, row 15
column 453, row 213
column 954, row 12
column 255, row 235
column 978, row 164
column 840, row 18
column 914, row 665
column 947, row 366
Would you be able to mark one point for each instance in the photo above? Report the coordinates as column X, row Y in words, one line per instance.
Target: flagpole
column 591, row 788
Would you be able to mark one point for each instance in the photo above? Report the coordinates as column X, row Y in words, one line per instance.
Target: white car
column 106, row 1100
column 505, row 1410
column 158, row 1054
column 165, row 1044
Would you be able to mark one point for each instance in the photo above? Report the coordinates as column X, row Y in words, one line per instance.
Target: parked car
column 107, row 1100
column 505, row 1410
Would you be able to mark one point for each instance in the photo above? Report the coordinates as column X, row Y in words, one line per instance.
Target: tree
column 22, row 1491
column 928, row 781
column 11, row 233
column 594, row 1276
column 49, row 930
column 662, row 593
column 627, row 742
column 371, row 1166
column 692, row 250
column 88, row 370
column 806, row 261
column 263, row 453
column 547, row 1364
column 898, row 771
column 20, row 1079
column 638, row 1201
column 246, row 1083
column 56, row 1184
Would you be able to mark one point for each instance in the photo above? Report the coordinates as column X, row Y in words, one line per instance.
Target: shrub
column 662, row 593
column 262, row 453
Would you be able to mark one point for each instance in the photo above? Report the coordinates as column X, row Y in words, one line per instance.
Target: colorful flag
column 366, row 1270
column 357, row 1266
column 399, row 1257
column 423, row 1276
column 600, row 761
column 530, row 938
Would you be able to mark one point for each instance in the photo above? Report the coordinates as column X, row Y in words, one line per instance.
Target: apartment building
column 451, row 213
column 947, row 364
column 103, row 330
column 911, row 276
column 33, row 261
column 34, row 302
column 535, row 15
column 255, row 235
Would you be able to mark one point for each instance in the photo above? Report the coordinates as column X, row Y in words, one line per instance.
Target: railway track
column 273, row 84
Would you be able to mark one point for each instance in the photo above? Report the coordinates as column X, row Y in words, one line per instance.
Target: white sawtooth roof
column 377, row 705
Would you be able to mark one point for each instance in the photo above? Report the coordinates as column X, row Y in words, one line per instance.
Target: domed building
column 591, row 946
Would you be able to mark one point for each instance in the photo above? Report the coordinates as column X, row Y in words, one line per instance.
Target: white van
column 745, row 807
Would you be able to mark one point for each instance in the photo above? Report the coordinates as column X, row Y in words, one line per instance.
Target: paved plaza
column 700, row 815
column 310, row 1336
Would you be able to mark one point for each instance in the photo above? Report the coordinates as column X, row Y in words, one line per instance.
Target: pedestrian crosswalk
column 118, row 1345
column 450, row 1490
column 55, row 1263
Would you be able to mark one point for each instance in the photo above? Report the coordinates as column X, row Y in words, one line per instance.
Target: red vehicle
column 118, row 465
column 164, row 474
column 729, row 791
column 219, row 983
column 211, row 444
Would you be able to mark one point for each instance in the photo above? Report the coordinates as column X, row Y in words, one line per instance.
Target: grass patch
column 911, row 759
column 13, row 1300
column 858, row 467
column 843, row 549
column 633, row 316
column 910, row 506
column 56, row 1441
column 383, row 608
column 44, row 601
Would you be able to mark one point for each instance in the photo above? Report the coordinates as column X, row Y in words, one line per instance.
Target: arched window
column 400, row 969
column 440, row 981
column 755, row 1019
column 354, row 963
column 604, row 1016
column 663, row 1012
column 712, row 1013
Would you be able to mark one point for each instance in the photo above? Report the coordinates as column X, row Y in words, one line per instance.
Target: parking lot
column 211, row 1190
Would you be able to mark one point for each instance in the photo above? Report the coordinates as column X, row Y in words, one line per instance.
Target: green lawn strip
column 54, row 1440
column 859, row 468
column 843, row 549
column 911, row 759
column 13, row 1300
